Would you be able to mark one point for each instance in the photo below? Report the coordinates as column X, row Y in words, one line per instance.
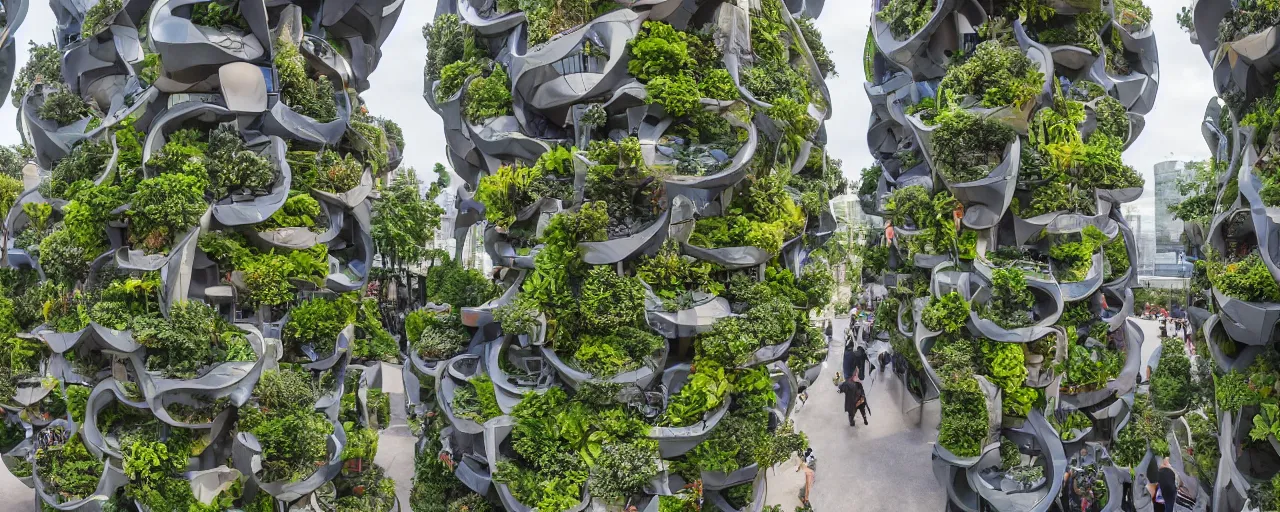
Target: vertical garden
column 998, row 128
column 192, row 221
column 653, row 187
column 1231, row 223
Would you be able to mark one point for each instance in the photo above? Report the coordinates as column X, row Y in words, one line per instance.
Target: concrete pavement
column 884, row 466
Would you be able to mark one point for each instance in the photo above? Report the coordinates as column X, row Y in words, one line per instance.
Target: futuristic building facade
column 187, row 244
column 1231, row 221
column 998, row 129
column 653, row 186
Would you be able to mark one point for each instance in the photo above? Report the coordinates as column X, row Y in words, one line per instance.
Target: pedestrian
column 855, row 399
column 884, row 360
column 860, row 362
column 1171, row 492
column 808, row 464
column 828, row 331
column 855, row 361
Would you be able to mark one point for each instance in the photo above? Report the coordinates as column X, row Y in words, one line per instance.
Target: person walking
column 855, row 399
column 855, row 361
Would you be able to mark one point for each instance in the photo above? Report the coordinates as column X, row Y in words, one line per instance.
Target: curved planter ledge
column 913, row 52
column 496, row 431
column 717, row 480
column 1244, row 355
column 503, row 254
column 729, row 257
column 1250, row 323
column 283, row 121
column 706, row 311
column 295, row 238
column 1124, row 383
column 353, row 274
column 703, row 188
column 510, row 393
column 1071, row 57
column 15, row 14
column 488, row 26
column 482, row 315
column 769, row 353
column 717, row 500
column 110, row 480
column 621, row 249
column 1038, row 433
column 103, row 395
column 184, row 45
column 350, row 198
column 50, row 142
column 247, row 453
column 1083, row 289
column 232, row 212
column 234, row 380
column 641, row 377
column 20, row 454
column 676, row 441
column 1059, row 223
column 445, row 387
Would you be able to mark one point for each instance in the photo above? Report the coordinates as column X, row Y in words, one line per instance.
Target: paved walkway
column 884, row 466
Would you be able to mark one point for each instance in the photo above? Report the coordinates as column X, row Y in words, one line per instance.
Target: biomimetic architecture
column 651, row 182
column 186, row 249
column 998, row 129
column 1230, row 225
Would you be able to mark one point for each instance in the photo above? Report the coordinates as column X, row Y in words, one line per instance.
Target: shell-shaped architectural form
column 1006, row 257
column 187, row 248
column 653, row 186
column 1234, row 231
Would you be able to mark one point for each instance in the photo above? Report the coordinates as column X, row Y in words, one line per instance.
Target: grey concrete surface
column 883, row 466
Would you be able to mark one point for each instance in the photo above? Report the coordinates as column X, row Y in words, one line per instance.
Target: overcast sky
column 1173, row 127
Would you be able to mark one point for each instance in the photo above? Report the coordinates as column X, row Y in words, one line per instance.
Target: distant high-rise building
column 1169, row 249
column 1141, row 221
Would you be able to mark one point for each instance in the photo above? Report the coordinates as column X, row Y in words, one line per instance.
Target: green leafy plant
column 476, row 401
column 1171, row 387
column 64, row 107
column 86, row 161
column 670, row 274
column 488, row 96
column 313, row 98
column 163, row 208
column 1233, row 391
column 704, row 391
column 316, row 323
column 1075, row 258
column 1071, row 424
column 1000, row 75
column 1247, row 279
column 1007, row 369
column 623, row 469
column 68, row 470
column 964, row 428
column 947, row 313
column 905, row 17
column 193, row 337
column 44, row 65
column 967, row 147
column 96, row 15
column 1011, row 301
